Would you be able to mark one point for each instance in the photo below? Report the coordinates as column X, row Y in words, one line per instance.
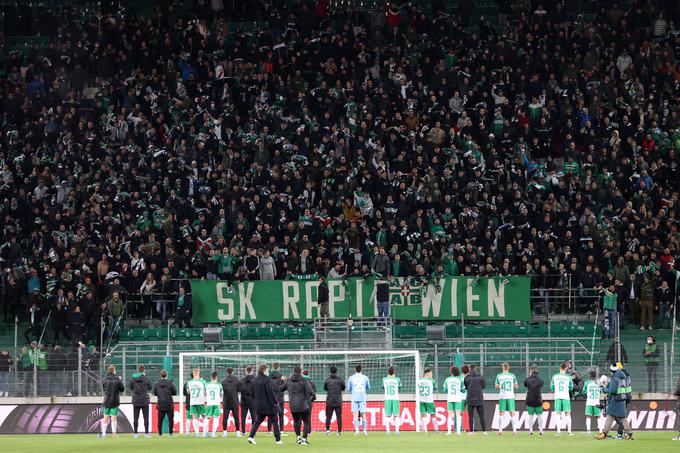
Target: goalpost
column 317, row 363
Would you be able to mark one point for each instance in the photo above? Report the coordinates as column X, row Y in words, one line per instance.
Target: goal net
column 316, row 364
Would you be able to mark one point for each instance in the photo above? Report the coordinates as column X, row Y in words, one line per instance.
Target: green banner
column 452, row 298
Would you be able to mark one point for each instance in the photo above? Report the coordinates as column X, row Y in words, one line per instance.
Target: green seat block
column 125, row 335
column 473, row 331
column 264, row 333
column 279, row 332
column 452, row 331
column 249, row 332
column 138, row 334
column 195, row 334
column 294, row 333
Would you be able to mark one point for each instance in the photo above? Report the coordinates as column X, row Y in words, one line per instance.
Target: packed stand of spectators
column 330, row 142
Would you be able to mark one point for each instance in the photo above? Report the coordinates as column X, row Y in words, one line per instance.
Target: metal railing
column 81, row 375
column 486, row 354
column 353, row 333
column 75, row 374
column 567, row 301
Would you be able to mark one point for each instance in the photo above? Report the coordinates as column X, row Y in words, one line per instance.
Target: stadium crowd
column 140, row 151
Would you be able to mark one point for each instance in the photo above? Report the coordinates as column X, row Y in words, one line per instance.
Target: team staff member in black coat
column 474, row 384
column 140, row 386
column 230, row 401
column 113, row 387
column 534, row 401
column 247, row 400
column 334, row 386
column 277, row 383
column 300, row 397
column 165, row 406
column 265, row 404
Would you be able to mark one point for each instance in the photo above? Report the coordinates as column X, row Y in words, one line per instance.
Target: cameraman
column 618, row 394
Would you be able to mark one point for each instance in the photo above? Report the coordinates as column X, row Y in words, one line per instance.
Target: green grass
column 375, row 442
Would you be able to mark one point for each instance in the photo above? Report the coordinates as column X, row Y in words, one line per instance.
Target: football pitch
column 375, row 442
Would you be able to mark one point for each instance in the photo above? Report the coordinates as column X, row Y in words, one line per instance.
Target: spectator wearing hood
column 300, row 396
column 140, row 386
column 164, row 390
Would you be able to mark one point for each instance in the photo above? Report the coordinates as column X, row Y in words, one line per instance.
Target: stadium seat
column 249, row 332
column 230, row 333
column 182, row 335
column 538, row 331
column 195, row 334
column 475, row 331
column 521, row 331
column 294, row 333
column 307, row 333
column 264, row 333
column 126, row 334
column 452, row 331
column 138, row 334
column 154, row 335
column 279, row 332
column 413, row 331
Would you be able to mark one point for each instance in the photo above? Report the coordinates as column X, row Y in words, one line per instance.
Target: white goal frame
column 399, row 352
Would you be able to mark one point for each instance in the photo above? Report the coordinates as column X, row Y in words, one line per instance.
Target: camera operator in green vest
column 619, row 393
column 38, row 360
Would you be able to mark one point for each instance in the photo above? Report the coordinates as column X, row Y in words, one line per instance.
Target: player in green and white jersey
column 561, row 384
column 391, row 384
column 426, row 388
column 196, row 388
column 593, row 391
column 454, row 388
column 213, row 392
column 506, row 383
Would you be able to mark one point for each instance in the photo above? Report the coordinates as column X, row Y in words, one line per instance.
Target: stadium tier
column 434, row 198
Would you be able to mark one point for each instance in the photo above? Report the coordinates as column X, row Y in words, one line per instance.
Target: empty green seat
column 264, row 333
column 294, row 333
column 411, row 331
column 125, row 335
column 474, row 331
column 452, row 331
column 521, row 331
column 230, row 333
column 279, row 332
column 182, row 334
column 538, row 331
column 138, row 334
column 153, row 334
column 195, row 334
column 249, row 332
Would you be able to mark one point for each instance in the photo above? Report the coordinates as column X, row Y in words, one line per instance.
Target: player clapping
column 391, row 384
column 213, row 391
column 426, row 387
column 454, row 388
column 357, row 385
column 196, row 388
column 506, row 383
column 561, row 384
column 593, row 393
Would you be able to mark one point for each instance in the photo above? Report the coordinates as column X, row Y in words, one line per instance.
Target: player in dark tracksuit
column 277, row 383
column 334, row 386
column 230, row 400
column 247, row 398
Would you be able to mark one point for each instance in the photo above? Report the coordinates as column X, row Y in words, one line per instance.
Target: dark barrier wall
column 84, row 418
